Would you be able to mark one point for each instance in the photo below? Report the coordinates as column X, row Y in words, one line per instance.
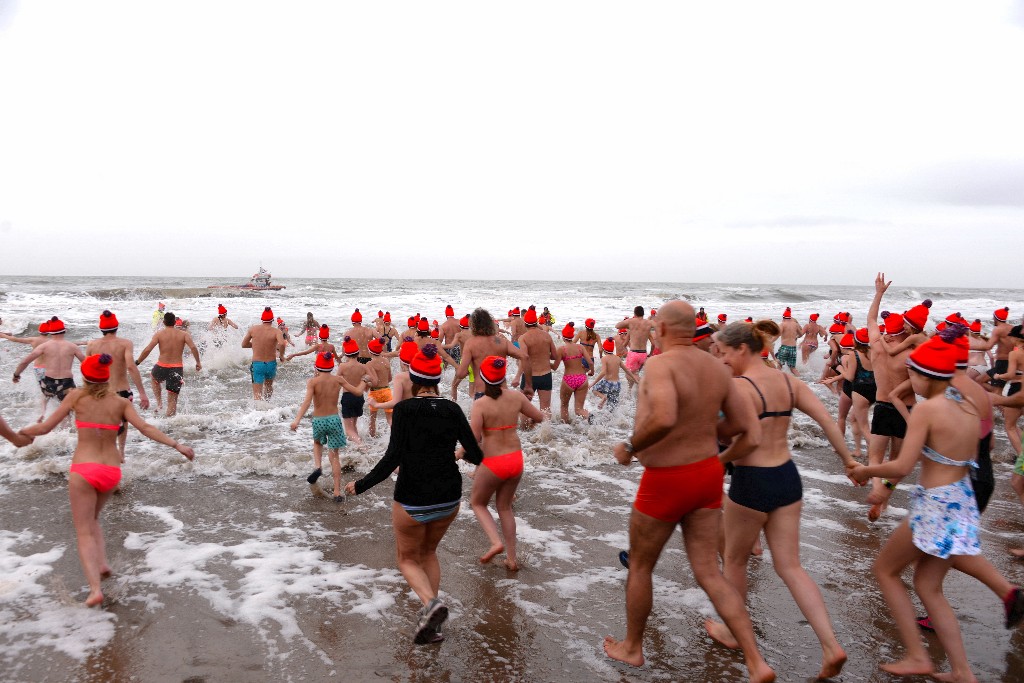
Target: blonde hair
column 96, row 391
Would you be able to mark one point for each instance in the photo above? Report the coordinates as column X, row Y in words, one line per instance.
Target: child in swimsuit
column 494, row 419
column 574, row 381
column 96, row 463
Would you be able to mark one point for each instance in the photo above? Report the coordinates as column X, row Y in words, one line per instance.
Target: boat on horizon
column 260, row 281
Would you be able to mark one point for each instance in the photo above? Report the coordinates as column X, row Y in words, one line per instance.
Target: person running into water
column 169, row 364
column 538, row 343
column 484, row 341
column 267, row 344
column 607, row 386
column 810, row 334
column 766, row 492
column 322, row 391
column 122, row 367
column 788, row 333
column 222, row 321
column 37, row 367
column 310, row 329
column 494, row 420
column 676, row 440
column 324, row 346
column 57, row 355
column 96, row 463
column 942, row 523
column 425, row 429
column 574, row 379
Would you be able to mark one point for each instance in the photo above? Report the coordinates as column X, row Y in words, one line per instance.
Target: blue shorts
column 329, row 431
column 263, row 371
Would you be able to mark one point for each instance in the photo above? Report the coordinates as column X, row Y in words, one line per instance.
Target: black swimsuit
column 767, row 488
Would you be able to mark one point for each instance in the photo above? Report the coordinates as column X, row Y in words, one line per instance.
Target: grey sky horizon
column 748, row 143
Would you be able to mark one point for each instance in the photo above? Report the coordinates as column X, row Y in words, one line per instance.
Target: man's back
column 119, row 350
column 539, row 345
column 172, row 345
column 790, row 331
column 697, row 384
column 326, row 390
column 265, row 340
column 57, row 356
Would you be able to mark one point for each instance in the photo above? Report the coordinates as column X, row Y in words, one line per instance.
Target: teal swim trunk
column 1018, row 467
column 329, row 430
column 263, row 371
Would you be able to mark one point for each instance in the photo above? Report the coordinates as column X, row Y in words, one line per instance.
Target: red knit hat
column 623, row 331
column 387, row 316
column 590, row 322
column 893, row 322
column 838, row 317
column 917, row 317
column 449, row 312
column 357, row 317
column 435, row 333
column 845, row 316
column 408, row 351
column 350, row 347
column 654, row 312
column 96, row 368
column 221, row 310
column 530, row 317
column 837, row 328
column 325, row 332
column 1001, row 314
column 861, row 336
column 703, row 331
column 267, row 316
column 425, row 368
column 748, row 319
column 423, row 325
column 722, row 317
column 493, row 369
column 787, row 314
column 963, row 351
column 56, row 326
column 280, row 321
column 847, row 341
column 609, row 345
column 325, row 361
column 542, row 320
column 814, row 317
column 108, row 321
column 976, row 326
column 44, row 328
column 764, row 352
column 376, row 346
column 417, row 317
column 412, row 322
column 936, row 358
column 380, row 314
column 178, row 322
column 514, row 312
column 464, row 322
column 569, row 331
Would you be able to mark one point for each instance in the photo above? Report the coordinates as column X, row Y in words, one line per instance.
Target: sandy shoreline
column 256, row 580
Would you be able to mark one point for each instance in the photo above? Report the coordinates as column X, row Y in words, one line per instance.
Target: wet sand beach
column 257, row 580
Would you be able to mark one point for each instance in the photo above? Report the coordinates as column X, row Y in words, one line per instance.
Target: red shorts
column 671, row 493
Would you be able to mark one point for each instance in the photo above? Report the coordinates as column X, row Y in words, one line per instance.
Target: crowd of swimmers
column 711, row 398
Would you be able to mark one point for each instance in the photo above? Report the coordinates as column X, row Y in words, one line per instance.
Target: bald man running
column 675, row 438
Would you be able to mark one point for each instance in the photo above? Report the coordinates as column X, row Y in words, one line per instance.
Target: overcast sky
column 800, row 142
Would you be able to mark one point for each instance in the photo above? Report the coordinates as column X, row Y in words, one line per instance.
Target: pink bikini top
column 94, row 425
column 497, row 429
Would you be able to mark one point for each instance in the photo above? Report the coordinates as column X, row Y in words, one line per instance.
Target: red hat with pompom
column 936, row 358
column 837, row 328
column 530, row 317
column 267, row 316
column 722, row 317
column 387, row 316
column 376, row 346
column 623, row 331
column 569, row 331
column 449, row 312
column 425, row 368
column 325, row 332
column 423, row 325
column 847, row 341
column 514, row 312
column 609, row 345
column 380, row 314
column 702, row 332
column 787, row 314
column 589, row 323
column 464, row 322
column 917, row 317
column 221, row 310
column 108, row 322
column 96, row 368
column 44, row 327
column 861, row 336
column 1001, row 314
column 56, row 326
column 350, row 347
column 976, row 326
column 814, row 317
column 178, row 322
column 408, row 351
column 325, row 361
column 493, row 369
column 412, row 322
column 893, row 322
column 435, row 333
column 357, row 317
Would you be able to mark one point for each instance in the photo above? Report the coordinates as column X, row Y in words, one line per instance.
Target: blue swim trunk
column 263, row 371
column 329, row 430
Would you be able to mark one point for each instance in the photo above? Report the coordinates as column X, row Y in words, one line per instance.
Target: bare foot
column 1017, row 552
column 721, row 634
column 105, row 572
column 95, row 598
column 762, row 674
column 909, row 667
column 616, row 649
column 831, row 666
column 511, row 565
column 875, row 512
column 489, row 555
column 953, row 678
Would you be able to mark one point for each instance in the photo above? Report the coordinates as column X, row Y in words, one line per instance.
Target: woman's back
column 500, row 420
column 98, row 420
column 951, row 425
column 772, row 393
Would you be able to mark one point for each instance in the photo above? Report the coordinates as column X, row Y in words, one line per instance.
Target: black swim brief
column 352, row 405
column 173, row 376
column 363, row 361
column 56, row 388
column 540, row 382
column 999, row 368
column 887, row 421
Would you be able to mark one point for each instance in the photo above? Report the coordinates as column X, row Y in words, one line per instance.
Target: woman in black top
column 424, row 431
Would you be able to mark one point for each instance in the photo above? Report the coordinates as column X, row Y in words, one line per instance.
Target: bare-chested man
column 486, row 341
column 811, row 334
column 322, row 391
column 222, row 321
column 361, row 335
column 323, row 346
column 169, row 367
column 354, row 370
column 789, row 331
column 640, row 331
column 606, row 385
column 541, row 348
column 1003, row 343
column 57, row 355
column 122, row 366
column 454, row 349
column 402, row 385
column 675, row 438
column 380, row 363
column 516, row 326
column 267, row 344
column 449, row 331
column 37, row 367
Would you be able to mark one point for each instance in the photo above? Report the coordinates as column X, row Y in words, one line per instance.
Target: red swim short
column 670, row 493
